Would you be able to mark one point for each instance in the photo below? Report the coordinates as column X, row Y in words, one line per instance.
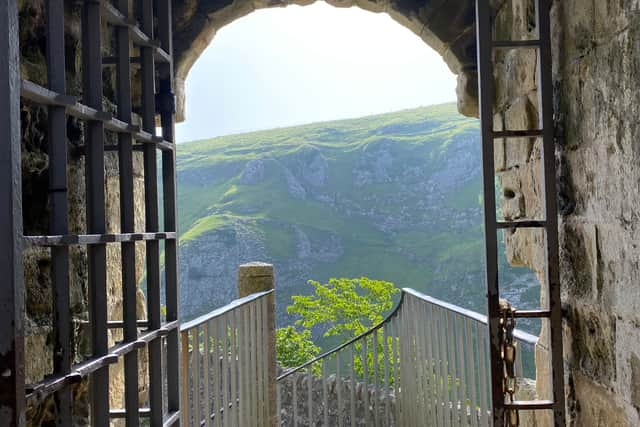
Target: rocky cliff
column 393, row 197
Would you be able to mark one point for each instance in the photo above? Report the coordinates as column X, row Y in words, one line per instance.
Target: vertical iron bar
column 224, row 338
column 233, row 407
column 485, row 389
column 423, row 380
column 486, row 92
column 310, row 394
column 396, row 372
column 339, row 388
column 217, row 383
column 433, row 328
column 462, row 389
column 12, row 387
column 325, row 394
column 243, row 366
column 552, row 278
column 206, row 375
column 95, row 197
column 443, row 368
column 151, row 218
column 431, row 389
column 253, row 382
column 472, row 369
column 420, row 360
column 185, row 378
column 167, row 121
column 58, row 225
column 259, row 352
column 265, row 366
column 250, row 369
column 294, row 400
column 127, row 218
column 451, row 363
column 197, row 417
column 353, row 385
column 386, row 382
column 365, row 380
column 376, row 393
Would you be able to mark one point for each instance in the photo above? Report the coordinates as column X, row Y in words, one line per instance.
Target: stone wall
column 596, row 64
column 301, row 381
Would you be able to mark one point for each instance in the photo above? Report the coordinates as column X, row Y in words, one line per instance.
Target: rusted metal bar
column 486, row 96
column 12, row 387
column 95, row 201
column 164, row 56
column 127, row 220
column 95, row 239
column 550, row 205
column 58, row 221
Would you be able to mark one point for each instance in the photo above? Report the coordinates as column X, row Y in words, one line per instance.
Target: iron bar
column 310, row 394
column 352, row 406
column 127, row 219
column 95, row 239
column 486, row 92
column 550, row 205
column 12, row 387
column 58, row 221
column 95, row 202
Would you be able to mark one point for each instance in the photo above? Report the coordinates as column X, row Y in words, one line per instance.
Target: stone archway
column 447, row 26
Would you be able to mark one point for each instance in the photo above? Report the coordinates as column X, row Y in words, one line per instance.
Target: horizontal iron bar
column 185, row 327
column 534, row 133
column 96, row 239
column 521, row 224
column 41, row 95
column 138, row 37
column 507, row 44
column 525, row 405
column 532, row 314
column 163, row 146
column 44, row 96
column 122, row 413
column 119, row 324
column 45, row 388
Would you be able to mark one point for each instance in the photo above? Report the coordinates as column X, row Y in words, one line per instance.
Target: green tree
column 342, row 308
column 294, row 347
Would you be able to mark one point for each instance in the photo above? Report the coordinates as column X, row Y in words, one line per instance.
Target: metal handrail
column 427, row 360
column 199, row 321
column 225, row 367
column 519, row 334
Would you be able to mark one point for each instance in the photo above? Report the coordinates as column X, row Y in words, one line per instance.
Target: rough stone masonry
column 596, row 70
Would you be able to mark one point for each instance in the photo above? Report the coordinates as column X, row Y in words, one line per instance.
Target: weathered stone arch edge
column 210, row 23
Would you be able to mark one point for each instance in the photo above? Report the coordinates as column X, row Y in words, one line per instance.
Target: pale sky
column 294, row 65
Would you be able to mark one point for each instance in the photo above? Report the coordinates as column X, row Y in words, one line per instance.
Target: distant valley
column 395, row 197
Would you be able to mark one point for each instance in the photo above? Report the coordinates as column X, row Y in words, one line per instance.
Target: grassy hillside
column 393, row 197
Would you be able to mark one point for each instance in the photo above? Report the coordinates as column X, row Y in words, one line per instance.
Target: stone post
column 259, row 277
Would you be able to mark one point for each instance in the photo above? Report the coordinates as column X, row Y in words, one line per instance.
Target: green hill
column 393, row 197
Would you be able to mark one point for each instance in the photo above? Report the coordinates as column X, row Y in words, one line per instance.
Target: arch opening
column 447, row 28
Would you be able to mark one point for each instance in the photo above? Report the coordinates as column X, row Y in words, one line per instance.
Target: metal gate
column 149, row 29
column 501, row 316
